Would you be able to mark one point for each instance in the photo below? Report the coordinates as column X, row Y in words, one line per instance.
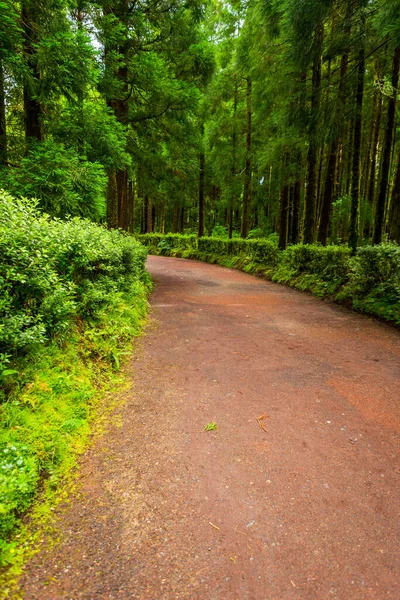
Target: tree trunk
column 32, row 107
column 131, row 206
column 374, row 154
column 329, row 187
column 294, row 238
column 233, row 168
column 149, row 214
column 309, row 220
column 3, row 127
column 162, row 224
column 394, row 220
column 355, row 184
column 200, row 231
column 112, row 200
column 175, row 220
column 283, row 217
column 122, row 192
column 247, row 173
column 387, row 150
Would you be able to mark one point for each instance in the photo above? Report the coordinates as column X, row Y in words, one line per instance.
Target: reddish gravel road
column 306, row 508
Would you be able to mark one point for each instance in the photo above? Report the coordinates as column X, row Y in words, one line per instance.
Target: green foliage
column 374, row 281
column 321, row 269
column 54, row 271
column 73, row 296
column 63, row 183
column 18, row 482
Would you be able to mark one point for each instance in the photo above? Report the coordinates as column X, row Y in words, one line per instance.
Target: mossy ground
column 60, row 397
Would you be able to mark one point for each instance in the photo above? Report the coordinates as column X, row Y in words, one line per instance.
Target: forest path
column 302, row 504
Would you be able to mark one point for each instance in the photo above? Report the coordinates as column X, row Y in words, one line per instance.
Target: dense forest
column 239, row 118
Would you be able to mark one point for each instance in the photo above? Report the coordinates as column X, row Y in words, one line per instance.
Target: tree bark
column 294, row 237
column 329, row 187
column 162, row 224
column 200, row 231
column 32, row 108
column 394, row 219
column 131, row 206
column 374, row 154
column 233, row 168
column 309, row 220
column 247, row 173
column 387, row 151
column 283, row 217
column 355, row 183
column 3, row 127
column 112, row 200
column 149, row 215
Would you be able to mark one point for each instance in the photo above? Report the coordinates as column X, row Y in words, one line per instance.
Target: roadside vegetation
column 73, row 297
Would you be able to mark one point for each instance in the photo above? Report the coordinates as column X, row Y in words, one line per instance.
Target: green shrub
column 374, row 281
column 54, row 271
column 168, row 244
column 72, row 297
column 63, row 182
column 310, row 266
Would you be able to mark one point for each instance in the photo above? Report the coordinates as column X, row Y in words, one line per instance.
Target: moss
column 55, row 402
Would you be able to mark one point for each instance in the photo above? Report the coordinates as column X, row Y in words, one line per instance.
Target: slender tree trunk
column 309, row 220
column 131, row 206
column 374, row 154
column 294, row 238
column 32, row 108
column 122, row 191
column 149, row 215
column 112, row 200
column 247, row 173
column 283, row 217
column 387, row 151
column 162, row 224
column 394, row 219
column 3, row 127
column 319, row 184
column 175, row 220
column 355, row 186
column 367, row 165
column 233, row 168
column 329, row 188
column 200, row 231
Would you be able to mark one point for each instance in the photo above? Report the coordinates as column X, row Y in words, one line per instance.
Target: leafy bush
column 54, row 271
column 64, row 183
column 170, row 243
column 374, row 281
column 57, row 278
column 310, row 266
column 18, row 481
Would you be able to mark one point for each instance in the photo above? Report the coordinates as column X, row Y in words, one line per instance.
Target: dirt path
column 306, row 508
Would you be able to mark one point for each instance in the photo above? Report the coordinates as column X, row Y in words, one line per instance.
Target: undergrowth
column 74, row 297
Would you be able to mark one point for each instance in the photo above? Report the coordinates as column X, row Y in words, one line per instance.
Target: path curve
column 305, row 507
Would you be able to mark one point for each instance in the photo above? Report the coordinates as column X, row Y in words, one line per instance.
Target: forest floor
column 295, row 496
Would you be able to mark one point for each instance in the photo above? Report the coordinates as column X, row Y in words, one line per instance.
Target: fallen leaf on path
column 210, row 427
column 261, row 421
column 212, row 525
